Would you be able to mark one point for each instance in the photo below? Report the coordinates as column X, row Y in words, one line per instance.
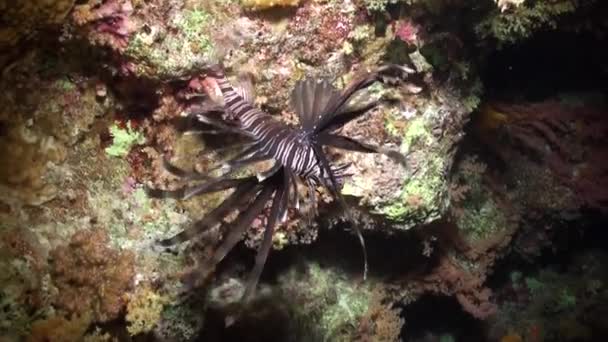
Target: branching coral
column 91, row 277
column 452, row 279
column 381, row 322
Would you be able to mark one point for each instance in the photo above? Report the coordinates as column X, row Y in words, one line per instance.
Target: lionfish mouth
column 297, row 153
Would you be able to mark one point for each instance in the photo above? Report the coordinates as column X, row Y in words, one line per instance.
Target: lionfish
column 297, row 154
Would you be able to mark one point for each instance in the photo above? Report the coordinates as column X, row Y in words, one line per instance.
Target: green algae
column 123, row 140
column 331, row 304
column 174, row 51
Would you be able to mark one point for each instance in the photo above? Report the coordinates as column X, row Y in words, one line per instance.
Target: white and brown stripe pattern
column 290, row 147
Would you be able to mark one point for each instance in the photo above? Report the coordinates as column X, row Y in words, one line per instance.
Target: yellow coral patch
column 262, row 4
column 491, row 118
column 512, row 337
column 144, row 310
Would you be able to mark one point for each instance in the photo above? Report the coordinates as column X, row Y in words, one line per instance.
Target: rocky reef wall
column 499, row 170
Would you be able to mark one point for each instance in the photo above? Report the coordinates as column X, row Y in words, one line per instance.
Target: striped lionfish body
column 296, row 152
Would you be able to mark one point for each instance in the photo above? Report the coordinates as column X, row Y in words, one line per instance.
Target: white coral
column 507, row 4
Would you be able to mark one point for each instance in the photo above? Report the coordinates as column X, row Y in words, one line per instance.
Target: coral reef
column 91, row 277
column 144, row 310
column 25, row 166
column 328, row 305
column 107, row 22
column 23, row 282
column 123, row 140
column 21, row 19
column 567, row 137
column 59, row 329
column 513, row 21
column 551, row 304
column 43, row 115
column 91, row 92
column 265, row 4
column 175, row 46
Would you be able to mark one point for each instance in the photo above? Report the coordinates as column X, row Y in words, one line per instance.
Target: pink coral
column 108, row 23
column 407, row 31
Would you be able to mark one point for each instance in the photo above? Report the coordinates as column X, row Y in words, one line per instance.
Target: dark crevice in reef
column 570, row 241
column 547, row 64
column 388, row 256
column 266, row 319
column 431, row 317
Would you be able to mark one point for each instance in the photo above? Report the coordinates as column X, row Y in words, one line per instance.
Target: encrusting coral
column 144, row 310
column 91, row 277
column 263, row 4
column 25, row 157
column 59, row 329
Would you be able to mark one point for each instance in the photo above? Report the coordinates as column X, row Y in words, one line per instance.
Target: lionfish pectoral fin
column 158, row 193
column 181, row 173
column 333, row 187
column 277, row 210
column 350, row 144
column 337, row 107
column 345, row 116
column 187, row 192
column 262, row 176
column 242, row 194
column 240, row 225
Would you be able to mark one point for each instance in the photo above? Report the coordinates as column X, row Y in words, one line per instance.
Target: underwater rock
column 426, row 130
column 43, row 117
column 172, row 40
column 27, row 167
column 21, row 19
column 315, row 303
